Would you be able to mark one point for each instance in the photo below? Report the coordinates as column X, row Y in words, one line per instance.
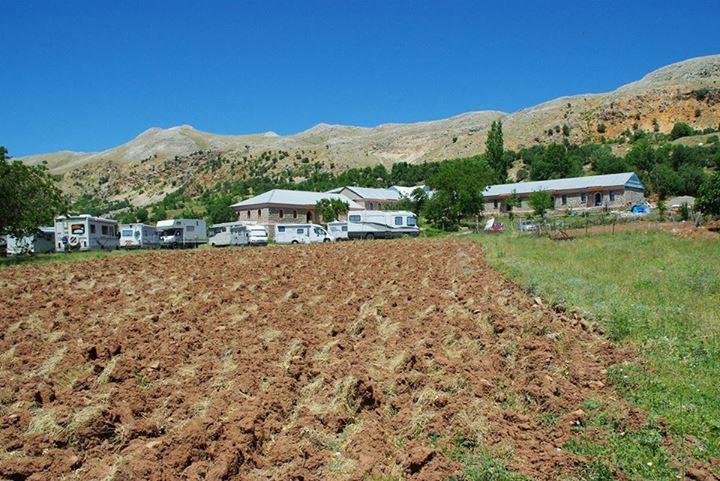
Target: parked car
column 229, row 234
column 139, row 236
column 181, row 233
column 338, row 230
column 257, row 235
column 85, row 233
column 301, row 234
column 381, row 224
column 527, row 226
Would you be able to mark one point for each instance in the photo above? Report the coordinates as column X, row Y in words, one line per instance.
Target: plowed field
column 343, row 361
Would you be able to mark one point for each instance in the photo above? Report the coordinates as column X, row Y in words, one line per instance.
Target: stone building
column 279, row 206
column 614, row 191
column 370, row 198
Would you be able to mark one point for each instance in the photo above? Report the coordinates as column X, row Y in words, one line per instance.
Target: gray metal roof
column 370, row 192
column 293, row 197
column 628, row 179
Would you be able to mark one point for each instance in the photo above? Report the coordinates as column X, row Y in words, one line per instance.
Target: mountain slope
column 686, row 91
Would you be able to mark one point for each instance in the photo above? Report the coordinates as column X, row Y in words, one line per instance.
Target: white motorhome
column 228, row 234
column 301, row 234
column 381, row 224
column 181, row 233
column 338, row 230
column 42, row 241
column 139, row 236
column 257, row 235
column 85, row 233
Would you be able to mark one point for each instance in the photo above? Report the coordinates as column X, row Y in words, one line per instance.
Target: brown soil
column 316, row 362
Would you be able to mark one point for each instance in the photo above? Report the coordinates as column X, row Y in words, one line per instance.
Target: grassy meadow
column 660, row 294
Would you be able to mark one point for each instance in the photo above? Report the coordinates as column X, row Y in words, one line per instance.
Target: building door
column 598, row 199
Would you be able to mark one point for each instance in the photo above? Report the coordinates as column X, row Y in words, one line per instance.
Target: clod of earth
column 333, row 361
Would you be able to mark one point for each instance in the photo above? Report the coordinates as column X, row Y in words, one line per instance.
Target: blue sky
column 90, row 75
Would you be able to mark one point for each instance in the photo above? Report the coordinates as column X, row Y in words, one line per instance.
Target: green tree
column 141, row 215
column 681, row 129
column 495, row 153
column 29, row 197
column 708, row 201
column 415, row 202
column 158, row 214
column 330, row 210
column 458, row 187
column 218, row 210
column 512, row 202
column 541, row 201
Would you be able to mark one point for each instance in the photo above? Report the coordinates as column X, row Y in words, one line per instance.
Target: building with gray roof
column 280, row 206
column 614, row 191
column 369, row 197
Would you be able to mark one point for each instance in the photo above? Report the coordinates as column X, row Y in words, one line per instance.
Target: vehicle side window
column 319, row 231
column 82, row 230
column 344, row 228
column 354, row 218
column 281, row 229
column 398, row 220
column 301, row 231
column 411, row 221
column 104, row 229
column 191, row 228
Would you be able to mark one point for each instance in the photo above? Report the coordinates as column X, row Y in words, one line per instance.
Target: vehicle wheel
column 326, row 240
column 369, row 236
column 294, row 242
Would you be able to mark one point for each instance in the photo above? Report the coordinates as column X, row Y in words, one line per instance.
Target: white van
column 257, row 235
column 85, row 233
column 180, row 233
column 338, row 230
column 301, row 234
column 42, row 241
column 139, row 236
column 381, row 224
column 228, row 234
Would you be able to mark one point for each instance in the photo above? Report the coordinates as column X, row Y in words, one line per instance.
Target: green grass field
column 658, row 293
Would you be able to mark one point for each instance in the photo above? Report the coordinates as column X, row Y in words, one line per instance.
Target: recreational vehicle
column 381, row 224
column 338, row 230
column 257, row 235
column 139, row 236
column 228, row 234
column 42, row 241
column 301, row 234
column 180, row 233
column 85, row 233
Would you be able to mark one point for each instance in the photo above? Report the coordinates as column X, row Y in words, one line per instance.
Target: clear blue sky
column 90, row 75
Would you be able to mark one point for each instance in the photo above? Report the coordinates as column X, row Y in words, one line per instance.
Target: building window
column 370, row 206
column 248, row 214
column 495, row 204
column 281, row 213
column 583, row 197
column 294, row 214
column 259, row 213
column 612, row 196
column 564, row 199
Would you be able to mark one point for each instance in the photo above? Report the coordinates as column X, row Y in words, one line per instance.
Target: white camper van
column 42, row 241
column 139, row 236
column 381, row 224
column 228, row 234
column 85, row 233
column 257, row 235
column 301, row 234
column 338, row 230
column 180, row 233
